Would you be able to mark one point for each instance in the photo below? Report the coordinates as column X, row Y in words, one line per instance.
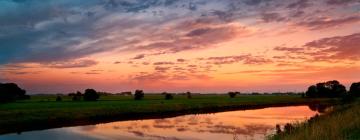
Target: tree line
column 332, row 89
column 10, row 92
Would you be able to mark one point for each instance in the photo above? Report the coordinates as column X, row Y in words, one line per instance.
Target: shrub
column 10, row 92
column 77, row 96
column 139, row 95
column 58, row 99
column 188, row 94
column 355, row 89
column 91, row 95
column 169, row 96
column 232, row 94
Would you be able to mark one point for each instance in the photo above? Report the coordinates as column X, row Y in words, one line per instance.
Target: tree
column 330, row 89
column 58, row 99
column 232, row 94
column 188, row 94
column 91, row 95
column 76, row 96
column 169, row 96
column 139, row 95
column 11, row 92
column 355, row 89
column 312, row 91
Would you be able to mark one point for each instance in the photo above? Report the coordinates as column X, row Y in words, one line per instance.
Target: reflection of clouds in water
column 197, row 124
column 248, row 130
column 141, row 134
column 252, row 124
column 163, row 124
column 88, row 127
column 269, row 117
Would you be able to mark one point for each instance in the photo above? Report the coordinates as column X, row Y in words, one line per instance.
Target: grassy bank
column 42, row 112
column 343, row 123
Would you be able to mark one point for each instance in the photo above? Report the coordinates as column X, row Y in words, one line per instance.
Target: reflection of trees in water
column 319, row 107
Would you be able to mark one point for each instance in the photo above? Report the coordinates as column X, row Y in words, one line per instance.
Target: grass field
column 343, row 123
column 43, row 112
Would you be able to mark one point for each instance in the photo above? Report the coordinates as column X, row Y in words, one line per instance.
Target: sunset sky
column 60, row 46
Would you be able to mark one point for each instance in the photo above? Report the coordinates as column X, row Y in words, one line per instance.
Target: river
column 231, row 125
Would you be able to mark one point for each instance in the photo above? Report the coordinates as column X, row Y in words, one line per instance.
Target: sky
column 207, row 46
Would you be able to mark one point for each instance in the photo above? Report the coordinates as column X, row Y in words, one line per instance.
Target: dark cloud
column 118, row 62
column 181, row 60
column 23, row 72
column 150, row 77
column 330, row 49
column 289, row 49
column 198, row 39
column 199, row 32
column 272, row 17
column 164, row 63
column 245, row 59
column 162, row 69
column 340, row 2
column 71, row 64
column 51, row 31
column 301, row 4
column 146, row 63
column 254, row 2
column 140, row 56
column 92, row 73
column 323, row 23
column 337, row 48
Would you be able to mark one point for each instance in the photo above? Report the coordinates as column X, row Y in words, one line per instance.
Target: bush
column 10, row 92
column 58, row 99
column 77, row 96
column 233, row 94
column 139, row 95
column 355, row 89
column 169, row 96
column 188, row 94
column 91, row 95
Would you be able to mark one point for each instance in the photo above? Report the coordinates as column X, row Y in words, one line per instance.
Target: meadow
column 43, row 112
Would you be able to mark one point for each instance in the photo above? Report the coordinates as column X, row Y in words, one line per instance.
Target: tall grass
column 343, row 123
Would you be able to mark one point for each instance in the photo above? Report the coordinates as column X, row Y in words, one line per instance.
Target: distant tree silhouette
column 355, row 89
column 312, row 91
column 139, row 95
column 11, row 92
column 327, row 89
column 168, row 96
column 188, row 94
column 77, row 96
column 233, row 94
column 58, row 99
column 91, row 95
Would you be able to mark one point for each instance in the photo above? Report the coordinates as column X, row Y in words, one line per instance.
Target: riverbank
column 43, row 112
column 343, row 123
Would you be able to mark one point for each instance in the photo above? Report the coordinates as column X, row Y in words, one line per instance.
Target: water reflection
column 249, row 124
column 320, row 108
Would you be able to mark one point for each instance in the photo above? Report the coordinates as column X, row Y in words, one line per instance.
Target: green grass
column 44, row 112
column 343, row 123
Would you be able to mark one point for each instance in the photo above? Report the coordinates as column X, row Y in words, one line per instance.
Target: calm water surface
column 247, row 124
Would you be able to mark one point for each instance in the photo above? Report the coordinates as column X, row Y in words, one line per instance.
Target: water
column 232, row 125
